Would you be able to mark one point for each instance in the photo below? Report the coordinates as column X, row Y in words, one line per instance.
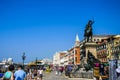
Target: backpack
column 7, row 76
column 69, row 69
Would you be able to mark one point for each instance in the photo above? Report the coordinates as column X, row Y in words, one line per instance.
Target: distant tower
column 77, row 51
column 77, row 41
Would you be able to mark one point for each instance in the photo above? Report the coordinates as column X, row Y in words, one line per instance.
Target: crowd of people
column 37, row 74
column 20, row 74
column 10, row 74
column 66, row 69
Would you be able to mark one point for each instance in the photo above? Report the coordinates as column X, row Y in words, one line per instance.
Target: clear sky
column 41, row 27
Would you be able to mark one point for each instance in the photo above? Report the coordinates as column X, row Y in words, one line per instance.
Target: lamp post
column 23, row 58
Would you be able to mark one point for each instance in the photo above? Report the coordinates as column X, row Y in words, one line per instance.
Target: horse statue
column 88, row 31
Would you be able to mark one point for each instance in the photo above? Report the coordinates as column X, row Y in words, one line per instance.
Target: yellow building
column 115, row 48
column 109, row 48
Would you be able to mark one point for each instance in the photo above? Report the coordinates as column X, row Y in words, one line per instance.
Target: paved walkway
column 53, row 76
column 79, row 79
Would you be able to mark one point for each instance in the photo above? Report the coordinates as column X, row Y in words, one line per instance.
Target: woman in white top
column 40, row 72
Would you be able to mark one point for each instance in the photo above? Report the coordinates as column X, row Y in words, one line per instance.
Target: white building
column 47, row 61
column 7, row 61
column 58, row 58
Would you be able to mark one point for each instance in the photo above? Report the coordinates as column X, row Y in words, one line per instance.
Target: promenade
column 53, row 76
column 79, row 79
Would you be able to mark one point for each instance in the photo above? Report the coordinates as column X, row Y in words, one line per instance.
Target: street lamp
column 23, row 58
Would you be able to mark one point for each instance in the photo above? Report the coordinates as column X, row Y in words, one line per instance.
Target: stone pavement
column 53, row 76
column 79, row 79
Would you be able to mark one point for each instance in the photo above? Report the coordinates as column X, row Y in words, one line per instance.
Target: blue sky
column 41, row 27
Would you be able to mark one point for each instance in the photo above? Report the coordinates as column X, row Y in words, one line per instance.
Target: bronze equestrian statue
column 88, row 31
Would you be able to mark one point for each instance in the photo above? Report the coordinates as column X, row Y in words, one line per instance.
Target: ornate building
column 101, row 51
column 109, row 48
column 114, row 45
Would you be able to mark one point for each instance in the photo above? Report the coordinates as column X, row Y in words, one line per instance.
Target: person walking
column 35, row 74
column 69, row 69
column 29, row 75
column 40, row 73
column 9, row 74
column 61, row 70
column 20, row 73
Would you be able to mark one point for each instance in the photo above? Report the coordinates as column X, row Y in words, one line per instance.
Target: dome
column 10, row 59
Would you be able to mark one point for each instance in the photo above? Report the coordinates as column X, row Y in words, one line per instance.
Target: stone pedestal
column 91, row 47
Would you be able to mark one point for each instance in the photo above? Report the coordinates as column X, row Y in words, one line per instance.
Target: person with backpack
column 9, row 74
column 69, row 69
column 20, row 74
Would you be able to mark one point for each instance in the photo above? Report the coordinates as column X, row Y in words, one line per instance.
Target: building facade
column 101, row 50
column 77, row 51
column 58, row 58
column 109, row 48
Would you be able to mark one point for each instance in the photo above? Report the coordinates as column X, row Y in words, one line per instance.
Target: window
column 75, row 59
column 75, row 51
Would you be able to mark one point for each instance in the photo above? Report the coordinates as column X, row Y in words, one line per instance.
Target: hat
column 118, row 70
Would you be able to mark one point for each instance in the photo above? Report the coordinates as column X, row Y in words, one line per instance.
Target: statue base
column 88, row 47
column 91, row 47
